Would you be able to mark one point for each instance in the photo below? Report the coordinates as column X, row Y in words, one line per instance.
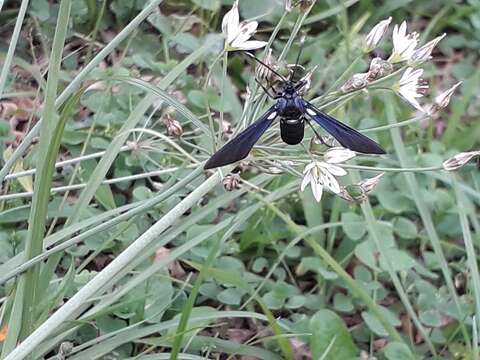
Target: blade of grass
column 187, row 309
column 12, row 45
column 48, row 149
column 471, row 257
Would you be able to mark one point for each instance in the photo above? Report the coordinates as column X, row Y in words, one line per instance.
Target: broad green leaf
column 329, row 332
column 398, row 351
column 353, row 225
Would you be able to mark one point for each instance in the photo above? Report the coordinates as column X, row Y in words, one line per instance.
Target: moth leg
column 319, row 137
column 267, row 91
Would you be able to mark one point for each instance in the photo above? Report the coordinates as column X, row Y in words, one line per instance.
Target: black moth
column 293, row 112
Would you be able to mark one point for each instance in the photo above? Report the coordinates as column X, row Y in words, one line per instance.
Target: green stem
column 462, row 206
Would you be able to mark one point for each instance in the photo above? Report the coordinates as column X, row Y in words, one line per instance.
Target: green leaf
column 399, row 260
column 353, row 231
column 405, row 228
column 343, row 303
column 329, row 332
column 398, row 351
column 375, row 325
column 230, row 296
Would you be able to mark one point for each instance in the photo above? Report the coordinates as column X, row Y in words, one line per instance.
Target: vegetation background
column 129, row 250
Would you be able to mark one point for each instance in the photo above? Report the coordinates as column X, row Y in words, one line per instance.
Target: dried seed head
column 173, row 126
column 358, row 193
column 378, row 69
column 231, row 182
column 352, row 193
column 262, row 72
column 459, row 160
column 356, row 82
column 303, row 5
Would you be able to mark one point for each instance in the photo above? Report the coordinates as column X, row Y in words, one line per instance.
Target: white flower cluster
column 405, row 51
column 322, row 175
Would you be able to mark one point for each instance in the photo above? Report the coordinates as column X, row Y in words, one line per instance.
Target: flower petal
column 306, row 180
column 336, row 170
column 338, row 155
column 248, row 45
column 329, row 181
column 317, row 190
column 231, row 22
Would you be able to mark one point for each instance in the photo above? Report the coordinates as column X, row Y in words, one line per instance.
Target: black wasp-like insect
column 293, row 112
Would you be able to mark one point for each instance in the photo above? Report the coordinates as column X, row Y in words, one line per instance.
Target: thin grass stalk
column 187, row 309
column 48, row 149
column 12, row 45
column 371, row 223
column 77, row 82
column 103, row 278
column 24, row 308
column 424, row 212
column 470, row 248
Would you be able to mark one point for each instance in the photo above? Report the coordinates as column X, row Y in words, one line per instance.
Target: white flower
column 459, row 160
column 376, row 34
column 320, row 174
column 238, row 34
column 403, row 44
column 423, row 53
column 412, row 87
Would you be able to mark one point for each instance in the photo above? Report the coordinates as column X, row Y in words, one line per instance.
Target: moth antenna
column 302, row 42
column 268, row 67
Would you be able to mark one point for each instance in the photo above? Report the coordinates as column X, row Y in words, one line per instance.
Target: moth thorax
column 292, row 130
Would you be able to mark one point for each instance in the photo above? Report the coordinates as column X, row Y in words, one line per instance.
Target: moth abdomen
column 292, row 130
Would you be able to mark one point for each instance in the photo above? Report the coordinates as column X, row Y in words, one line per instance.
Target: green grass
column 126, row 247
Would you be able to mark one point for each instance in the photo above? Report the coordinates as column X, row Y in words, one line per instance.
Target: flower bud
column 356, row 82
column 423, row 53
column 376, row 34
column 369, row 184
column 459, row 160
column 378, row 69
column 231, row 182
column 173, row 126
column 442, row 100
